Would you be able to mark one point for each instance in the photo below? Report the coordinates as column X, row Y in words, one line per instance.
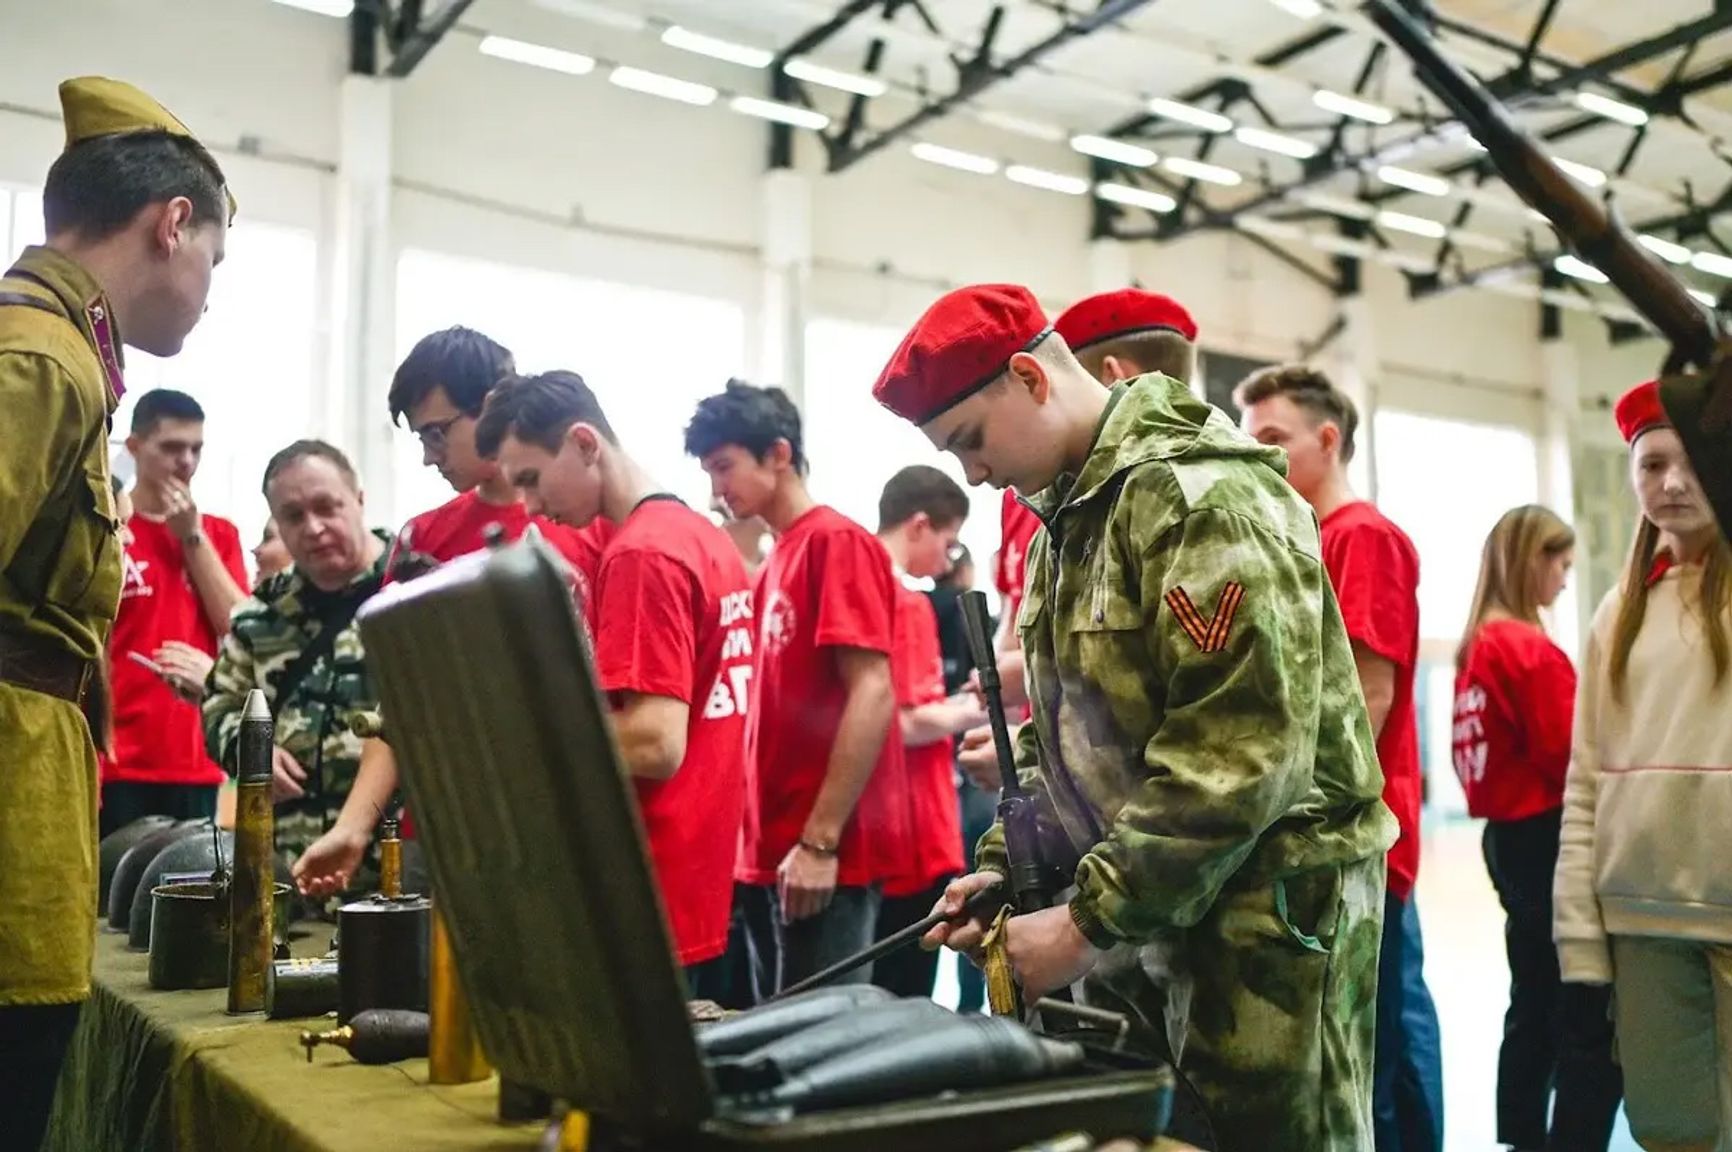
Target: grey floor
column 1464, row 964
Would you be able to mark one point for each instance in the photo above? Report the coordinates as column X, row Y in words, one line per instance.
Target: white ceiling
column 1166, row 48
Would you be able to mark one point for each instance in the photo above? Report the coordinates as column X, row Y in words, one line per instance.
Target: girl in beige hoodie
column 1643, row 893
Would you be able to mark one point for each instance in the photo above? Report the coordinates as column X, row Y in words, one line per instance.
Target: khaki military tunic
column 59, row 588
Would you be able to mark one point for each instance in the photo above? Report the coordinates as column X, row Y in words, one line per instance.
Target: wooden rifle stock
column 1585, row 224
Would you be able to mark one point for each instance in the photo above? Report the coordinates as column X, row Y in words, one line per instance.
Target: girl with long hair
column 1644, row 880
column 1514, row 693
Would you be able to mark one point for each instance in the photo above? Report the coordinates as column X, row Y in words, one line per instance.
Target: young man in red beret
column 676, row 660
column 825, row 821
column 1116, row 336
column 1198, row 738
column 439, row 390
column 1374, row 569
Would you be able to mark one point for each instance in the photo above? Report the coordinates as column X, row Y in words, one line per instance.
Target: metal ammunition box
column 539, row 859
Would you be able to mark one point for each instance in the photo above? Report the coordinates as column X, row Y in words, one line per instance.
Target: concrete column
column 787, row 274
column 1557, row 442
column 1354, row 368
column 1109, row 264
column 361, row 302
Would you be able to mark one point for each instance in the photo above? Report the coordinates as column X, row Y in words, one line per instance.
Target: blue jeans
column 1407, row 1090
column 979, row 812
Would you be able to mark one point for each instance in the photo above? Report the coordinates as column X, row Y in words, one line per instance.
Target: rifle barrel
column 1585, row 224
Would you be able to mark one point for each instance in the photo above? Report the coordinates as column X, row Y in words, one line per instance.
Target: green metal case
column 539, row 862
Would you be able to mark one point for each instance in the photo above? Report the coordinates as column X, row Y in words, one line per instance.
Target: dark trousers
column 1555, row 1036
column 911, row 970
column 124, row 801
column 708, row 979
column 979, row 811
column 33, row 1043
column 749, row 974
column 1407, row 1086
column 795, row 951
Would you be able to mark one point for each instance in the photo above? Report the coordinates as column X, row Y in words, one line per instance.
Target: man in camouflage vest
column 1199, row 752
column 296, row 638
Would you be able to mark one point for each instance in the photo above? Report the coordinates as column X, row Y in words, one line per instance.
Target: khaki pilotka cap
column 93, row 106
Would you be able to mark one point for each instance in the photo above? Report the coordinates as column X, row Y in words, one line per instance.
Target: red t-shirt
column 158, row 737
column 1514, row 708
column 1019, row 524
column 827, row 584
column 935, row 821
column 682, row 585
column 1374, row 568
column 458, row 527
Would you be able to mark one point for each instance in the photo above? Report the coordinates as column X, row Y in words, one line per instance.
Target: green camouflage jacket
column 266, row 633
column 1198, row 724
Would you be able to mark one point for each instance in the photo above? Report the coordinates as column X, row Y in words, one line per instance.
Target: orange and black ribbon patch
column 1208, row 635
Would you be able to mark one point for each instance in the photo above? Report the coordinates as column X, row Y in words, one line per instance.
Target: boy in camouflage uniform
column 1199, row 749
column 296, row 638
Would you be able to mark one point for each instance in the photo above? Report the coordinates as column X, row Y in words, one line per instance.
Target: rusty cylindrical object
column 454, row 1054
column 253, row 880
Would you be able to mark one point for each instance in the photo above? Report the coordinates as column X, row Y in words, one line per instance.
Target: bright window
column 649, row 355
column 855, row 445
column 1446, row 483
column 22, row 209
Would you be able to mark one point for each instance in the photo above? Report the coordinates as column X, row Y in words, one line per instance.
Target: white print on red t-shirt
column 133, row 583
column 1470, row 735
column 780, row 623
column 730, row 694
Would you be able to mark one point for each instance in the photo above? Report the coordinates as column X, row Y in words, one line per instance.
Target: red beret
column 1639, row 410
column 958, row 347
column 1109, row 315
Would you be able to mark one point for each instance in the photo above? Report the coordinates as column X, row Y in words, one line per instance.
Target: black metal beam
column 416, row 43
column 787, row 90
column 815, row 36
column 980, row 73
column 1541, row 26
column 364, row 39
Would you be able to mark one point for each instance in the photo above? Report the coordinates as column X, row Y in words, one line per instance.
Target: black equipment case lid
column 530, row 826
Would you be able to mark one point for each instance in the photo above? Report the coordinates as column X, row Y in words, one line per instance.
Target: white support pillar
column 1557, row 443
column 787, row 274
column 1354, row 370
column 361, row 302
column 1109, row 264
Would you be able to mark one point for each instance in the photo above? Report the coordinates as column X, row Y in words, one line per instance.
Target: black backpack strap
column 23, row 300
column 331, row 625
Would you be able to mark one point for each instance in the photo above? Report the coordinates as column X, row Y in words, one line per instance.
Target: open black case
column 538, row 857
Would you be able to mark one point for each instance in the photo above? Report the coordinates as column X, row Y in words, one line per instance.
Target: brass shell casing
column 454, row 1054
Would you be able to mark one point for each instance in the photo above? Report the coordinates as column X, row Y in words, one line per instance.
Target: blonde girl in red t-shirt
column 1514, row 695
column 1644, row 880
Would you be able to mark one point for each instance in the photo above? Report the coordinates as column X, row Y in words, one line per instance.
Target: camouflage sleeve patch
column 1235, row 746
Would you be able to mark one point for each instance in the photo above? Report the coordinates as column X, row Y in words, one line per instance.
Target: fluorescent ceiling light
column 803, row 69
column 1703, row 298
column 541, row 56
column 1712, row 263
column 1197, row 170
column 1416, row 225
column 1580, row 269
column 686, row 39
column 1304, row 9
column 1611, row 109
column 322, row 7
column 953, row 158
column 1665, row 249
column 781, row 113
column 655, row 84
column 1335, row 205
column 1051, row 181
column 1414, row 181
column 1352, row 106
column 603, row 14
column 1275, row 142
column 1536, row 214
column 1136, row 197
column 1033, row 129
column 1185, row 114
column 1118, row 151
column 1478, row 241
column 1592, row 177
column 1273, row 229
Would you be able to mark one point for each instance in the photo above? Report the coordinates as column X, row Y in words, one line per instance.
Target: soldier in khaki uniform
column 136, row 217
column 1199, row 752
